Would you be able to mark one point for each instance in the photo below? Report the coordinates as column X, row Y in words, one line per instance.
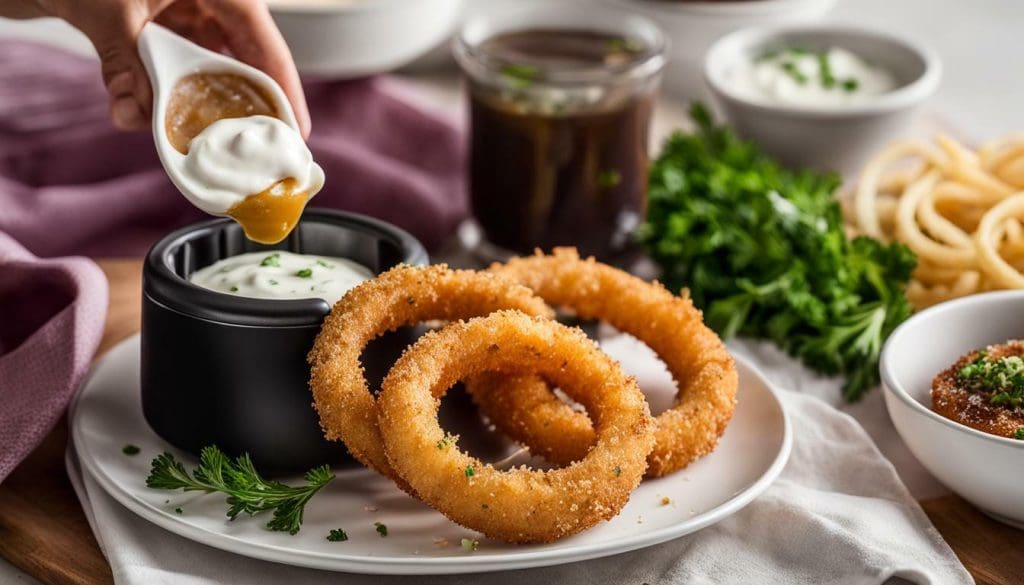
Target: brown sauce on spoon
column 201, row 99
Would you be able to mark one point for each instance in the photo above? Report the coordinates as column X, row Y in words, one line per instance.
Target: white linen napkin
column 837, row 514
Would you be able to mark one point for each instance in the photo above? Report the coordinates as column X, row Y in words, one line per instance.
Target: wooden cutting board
column 44, row 532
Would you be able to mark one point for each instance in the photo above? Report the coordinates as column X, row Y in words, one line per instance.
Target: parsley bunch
column 763, row 251
column 247, row 491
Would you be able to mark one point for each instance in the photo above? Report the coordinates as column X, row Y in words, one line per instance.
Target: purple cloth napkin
column 52, row 313
column 72, row 184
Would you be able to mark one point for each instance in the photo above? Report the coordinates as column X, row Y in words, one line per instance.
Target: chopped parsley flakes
column 382, row 530
column 337, row 535
column 1003, row 377
column 131, row 450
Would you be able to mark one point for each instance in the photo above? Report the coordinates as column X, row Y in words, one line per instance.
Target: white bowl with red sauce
column 986, row 470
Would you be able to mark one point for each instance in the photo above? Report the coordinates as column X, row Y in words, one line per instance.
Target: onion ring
column 402, row 296
column 518, row 505
column 697, row 359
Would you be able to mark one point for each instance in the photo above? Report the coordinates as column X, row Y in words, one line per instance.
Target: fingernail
column 126, row 114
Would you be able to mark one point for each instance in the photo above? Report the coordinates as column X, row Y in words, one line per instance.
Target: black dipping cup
column 231, row 371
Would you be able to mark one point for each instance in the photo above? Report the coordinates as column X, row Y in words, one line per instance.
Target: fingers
column 191, row 19
column 113, row 26
column 252, row 36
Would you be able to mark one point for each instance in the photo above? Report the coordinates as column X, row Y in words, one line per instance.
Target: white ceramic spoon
column 168, row 58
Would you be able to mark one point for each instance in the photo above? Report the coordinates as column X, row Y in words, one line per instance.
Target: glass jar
column 560, row 100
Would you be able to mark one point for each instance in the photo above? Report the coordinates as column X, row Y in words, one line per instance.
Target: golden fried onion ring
column 518, row 505
column 527, row 411
column 402, row 296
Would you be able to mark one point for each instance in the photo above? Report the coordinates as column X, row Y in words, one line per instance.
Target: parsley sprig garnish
column 246, row 489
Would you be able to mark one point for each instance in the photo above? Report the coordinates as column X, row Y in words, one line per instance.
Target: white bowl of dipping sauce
column 693, row 26
column 344, row 39
column 986, row 470
column 823, row 97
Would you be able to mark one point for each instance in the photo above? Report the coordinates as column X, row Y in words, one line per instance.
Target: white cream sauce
column 282, row 275
column 830, row 79
column 235, row 158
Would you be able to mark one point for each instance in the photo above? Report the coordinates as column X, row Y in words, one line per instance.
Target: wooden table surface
column 43, row 530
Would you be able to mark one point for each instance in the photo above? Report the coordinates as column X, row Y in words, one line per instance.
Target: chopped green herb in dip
column 822, row 78
column 337, row 535
column 1003, row 378
column 282, row 275
column 131, row 450
column 382, row 530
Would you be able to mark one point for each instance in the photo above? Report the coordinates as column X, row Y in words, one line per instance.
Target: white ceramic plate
column 107, row 415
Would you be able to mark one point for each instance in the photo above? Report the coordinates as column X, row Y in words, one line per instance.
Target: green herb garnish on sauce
column 130, row 450
column 304, row 273
column 382, row 530
column 791, row 69
column 828, row 81
column 272, row 260
column 1003, row 377
column 337, row 535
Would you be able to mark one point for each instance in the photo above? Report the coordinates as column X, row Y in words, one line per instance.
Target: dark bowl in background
column 231, row 371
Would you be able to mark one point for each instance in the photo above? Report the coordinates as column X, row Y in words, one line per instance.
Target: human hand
column 243, row 27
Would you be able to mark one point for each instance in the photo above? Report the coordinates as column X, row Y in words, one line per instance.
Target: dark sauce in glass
column 552, row 164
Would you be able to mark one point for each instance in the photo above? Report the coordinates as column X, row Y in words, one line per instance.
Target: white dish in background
column 344, row 39
column 692, row 27
column 839, row 139
column 106, row 415
column 984, row 469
